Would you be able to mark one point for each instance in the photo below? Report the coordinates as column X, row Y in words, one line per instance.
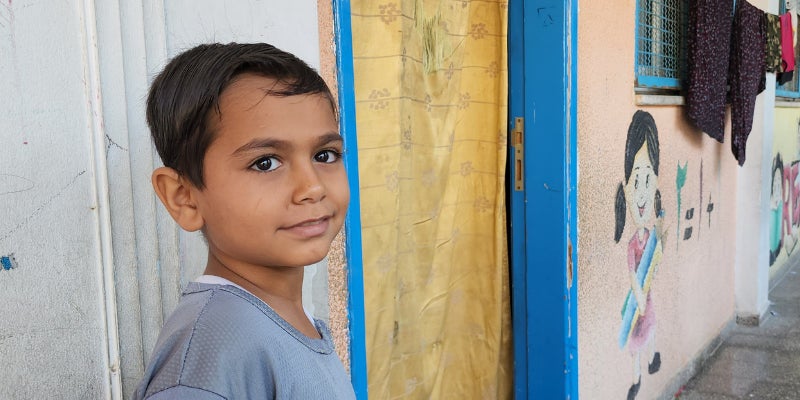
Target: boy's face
column 276, row 190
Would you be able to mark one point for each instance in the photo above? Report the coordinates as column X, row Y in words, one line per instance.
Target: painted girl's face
column 641, row 188
column 777, row 189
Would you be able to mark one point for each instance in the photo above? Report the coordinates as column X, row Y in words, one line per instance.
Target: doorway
column 541, row 214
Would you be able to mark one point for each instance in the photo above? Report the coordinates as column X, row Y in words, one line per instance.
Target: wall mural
column 688, row 219
column 680, row 181
column 784, row 207
column 639, row 195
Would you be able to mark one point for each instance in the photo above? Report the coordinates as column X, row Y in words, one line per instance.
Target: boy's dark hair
column 188, row 89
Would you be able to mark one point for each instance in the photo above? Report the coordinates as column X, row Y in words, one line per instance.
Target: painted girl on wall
column 776, row 210
column 640, row 188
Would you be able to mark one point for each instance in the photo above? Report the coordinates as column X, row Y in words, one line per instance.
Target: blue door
column 542, row 197
column 541, row 191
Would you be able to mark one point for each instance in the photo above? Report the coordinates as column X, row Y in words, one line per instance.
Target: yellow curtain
column 431, row 94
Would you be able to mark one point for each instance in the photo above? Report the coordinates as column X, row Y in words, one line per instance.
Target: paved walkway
column 762, row 362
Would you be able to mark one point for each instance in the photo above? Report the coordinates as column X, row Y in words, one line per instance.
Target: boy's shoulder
column 226, row 341
column 209, row 310
column 238, row 319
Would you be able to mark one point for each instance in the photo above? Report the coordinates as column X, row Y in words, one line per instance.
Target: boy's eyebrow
column 329, row 138
column 282, row 144
column 260, row 144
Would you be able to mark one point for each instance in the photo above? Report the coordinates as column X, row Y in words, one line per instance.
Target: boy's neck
column 280, row 287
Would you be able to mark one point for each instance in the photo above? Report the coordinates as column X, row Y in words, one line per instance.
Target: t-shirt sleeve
column 184, row 393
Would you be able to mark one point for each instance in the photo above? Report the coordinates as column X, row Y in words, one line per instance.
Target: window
column 661, row 43
column 789, row 89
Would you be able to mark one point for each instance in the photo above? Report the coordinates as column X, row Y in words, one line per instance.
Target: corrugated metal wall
column 90, row 263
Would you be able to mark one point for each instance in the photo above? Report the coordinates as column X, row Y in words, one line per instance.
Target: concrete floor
column 761, row 362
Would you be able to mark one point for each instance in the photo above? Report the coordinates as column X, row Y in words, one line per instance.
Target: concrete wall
column 784, row 218
column 54, row 327
column 694, row 289
column 90, row 263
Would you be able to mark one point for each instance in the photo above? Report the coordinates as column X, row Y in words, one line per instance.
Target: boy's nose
column 308, row 185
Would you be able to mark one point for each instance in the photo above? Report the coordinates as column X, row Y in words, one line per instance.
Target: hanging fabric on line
column 787, row 49
column 708, row 42
column 747, row 73
column 772, row 28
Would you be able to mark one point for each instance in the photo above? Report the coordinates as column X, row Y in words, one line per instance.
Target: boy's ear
column 176, row 194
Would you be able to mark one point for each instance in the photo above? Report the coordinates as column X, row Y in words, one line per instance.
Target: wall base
column 691, row 369
column 750, row 319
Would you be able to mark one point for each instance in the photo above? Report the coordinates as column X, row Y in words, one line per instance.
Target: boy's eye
column 327, row 156
column 266, row 163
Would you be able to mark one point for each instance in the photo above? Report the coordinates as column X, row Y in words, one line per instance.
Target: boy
column 252, row 158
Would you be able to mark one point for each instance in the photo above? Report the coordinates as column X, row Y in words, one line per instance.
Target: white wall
column 98, row 264
column 752, row 206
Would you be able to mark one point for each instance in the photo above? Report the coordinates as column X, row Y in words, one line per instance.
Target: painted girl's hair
column 777, row 166
column 642, row 129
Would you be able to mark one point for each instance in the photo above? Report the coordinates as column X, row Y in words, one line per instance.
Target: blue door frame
column 542, row 36
column 352, row 228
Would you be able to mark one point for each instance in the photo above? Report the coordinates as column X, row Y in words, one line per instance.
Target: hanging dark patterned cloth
column 708, row 42
column 747, row 72
column 787, row 49
column 772, row 24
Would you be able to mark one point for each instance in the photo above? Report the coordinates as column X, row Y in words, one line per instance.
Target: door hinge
column 517, row 141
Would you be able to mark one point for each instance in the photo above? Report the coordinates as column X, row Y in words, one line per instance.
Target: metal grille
column 661, row 43
column 789, row 89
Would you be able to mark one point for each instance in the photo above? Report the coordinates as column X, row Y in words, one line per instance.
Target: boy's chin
column 313, row 257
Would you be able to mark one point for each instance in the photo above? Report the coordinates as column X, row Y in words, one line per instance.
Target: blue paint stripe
column 636, row 41
column 787, row 93
column 353, row 246
column 7, row 262
column 572, row 201
column 657, row 82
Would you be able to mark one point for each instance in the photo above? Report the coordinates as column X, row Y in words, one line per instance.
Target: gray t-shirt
column 224, row 343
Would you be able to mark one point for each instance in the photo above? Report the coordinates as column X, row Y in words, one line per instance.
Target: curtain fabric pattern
column 431, row 110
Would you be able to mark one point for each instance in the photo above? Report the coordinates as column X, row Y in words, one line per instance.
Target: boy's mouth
column 309, row 222
column 310, row 227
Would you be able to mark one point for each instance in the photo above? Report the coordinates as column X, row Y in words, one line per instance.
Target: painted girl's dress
column 645, row 322
column 775, row 233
